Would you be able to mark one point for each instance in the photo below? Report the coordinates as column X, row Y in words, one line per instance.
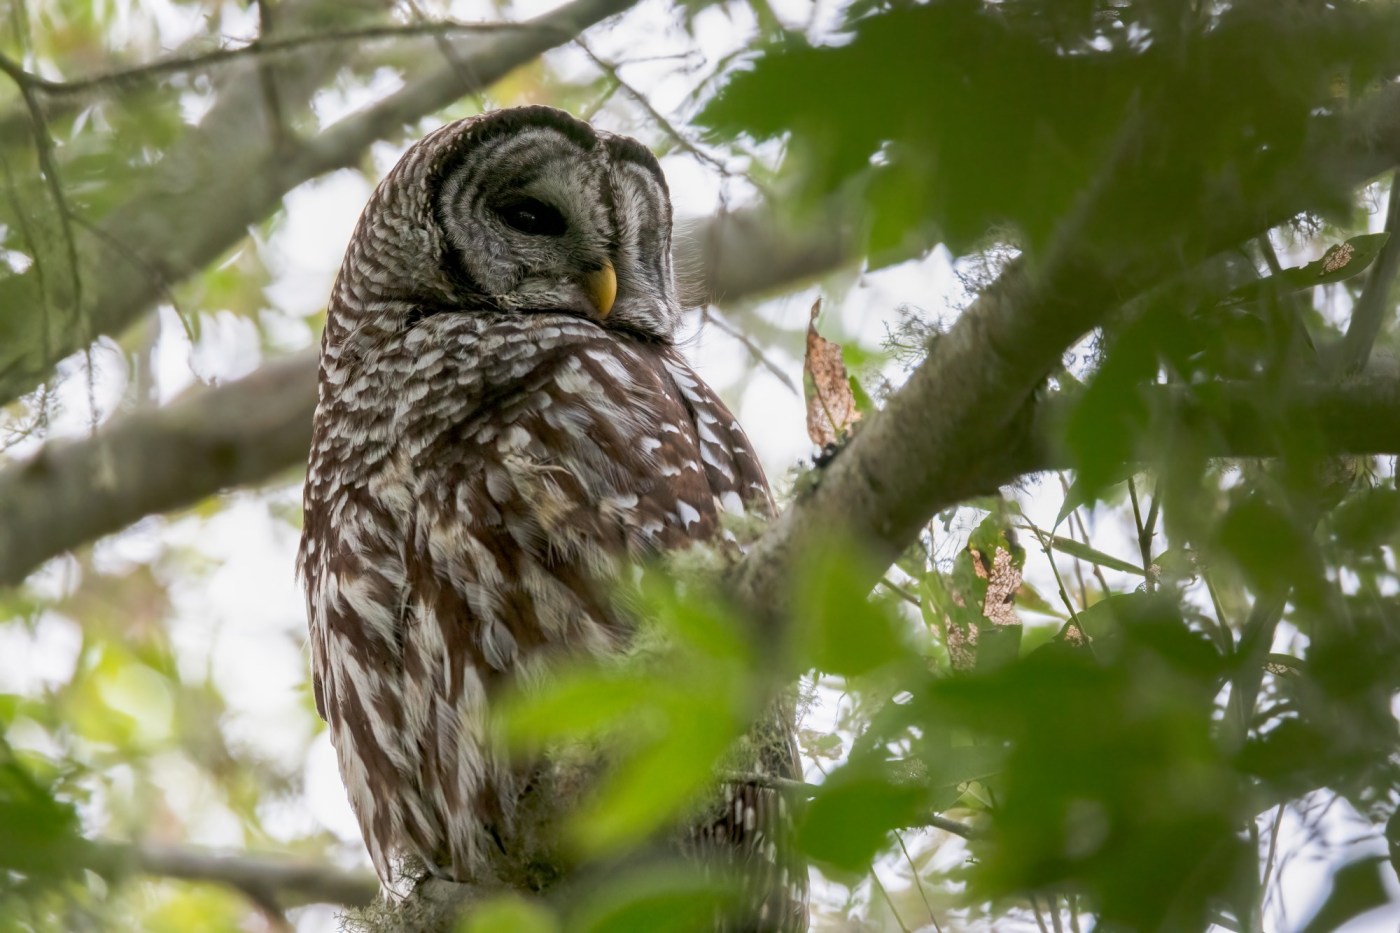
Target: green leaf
column 578, row 704
column 864, row 403
column 970, row 149
column 1101, row 620
column 1270, row 546
column 509, row 914
column 693, row 620
column 698, row 722
column 1093, row 555
column 654, row 897
column 839, row 629
column 1108, row 419
column 1356, row 888
column 1079, row 494
column 1340, row 262
column 1028, row 599
column 39, row 834
column 850, row 818
column 997, row 645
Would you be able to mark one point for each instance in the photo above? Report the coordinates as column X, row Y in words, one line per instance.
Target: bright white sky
column 244, row 620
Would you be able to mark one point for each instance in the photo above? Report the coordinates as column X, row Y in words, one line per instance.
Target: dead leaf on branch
column 831, row 404
column 1003, row 579
column 975, row 604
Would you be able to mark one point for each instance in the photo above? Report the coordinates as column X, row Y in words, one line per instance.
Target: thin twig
column 805, row 790
column 1039, row 920
column 1145, row 532
column 1266, row 249
column 1047, row 547
column 1225, row 639
column 459, row 65
column 1154, row 510
column 1269, row 862
column 950, row 826
column 900, row 591
column 42, row 286
column 141, row 74
column 888, row 900
column 272, row 101
column 1077, row 518
column 918, row 881
column 708, row 316
column 1254, row 644
column 1371, row 309
column 611, row 69
column 48, row 167
column 1137, row 520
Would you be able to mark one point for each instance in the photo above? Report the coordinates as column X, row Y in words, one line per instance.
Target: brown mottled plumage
column 503, row 422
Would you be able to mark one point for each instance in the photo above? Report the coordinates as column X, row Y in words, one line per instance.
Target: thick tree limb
column 251, row 430
column 277, row 882
column 154, row 461
column 748, row 252
column 229, row 174
column 929, row 446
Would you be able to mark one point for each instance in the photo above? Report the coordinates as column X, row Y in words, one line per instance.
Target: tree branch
column 1369, row 313
column 227, row 175
column 261, row 47
column 805, row 791
column 155, row 461
column 268, row 880
column 929, row 446
column 249, row 431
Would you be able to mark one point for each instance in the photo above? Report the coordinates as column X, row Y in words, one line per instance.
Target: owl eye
column 534, row 217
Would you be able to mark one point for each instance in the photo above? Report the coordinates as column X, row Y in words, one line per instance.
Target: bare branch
column 251, row 430
column 274, row 881
column 611, row 69
column 228, row 174
column 154, row 461
column 262, row 47
column 747, row 253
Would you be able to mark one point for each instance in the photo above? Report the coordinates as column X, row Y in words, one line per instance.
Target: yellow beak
column 601, row 288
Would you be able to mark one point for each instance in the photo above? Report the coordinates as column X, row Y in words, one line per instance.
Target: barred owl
column 503, row 423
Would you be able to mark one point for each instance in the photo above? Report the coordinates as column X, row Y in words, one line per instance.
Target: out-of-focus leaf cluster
column 951, row 119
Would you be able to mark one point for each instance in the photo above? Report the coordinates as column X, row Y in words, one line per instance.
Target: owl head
column 517, row 211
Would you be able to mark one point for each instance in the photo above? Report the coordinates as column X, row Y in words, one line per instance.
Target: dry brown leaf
column 831, row 406
column 1002, row 583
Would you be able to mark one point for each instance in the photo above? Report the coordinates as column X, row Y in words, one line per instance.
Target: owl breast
column 524, row 460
